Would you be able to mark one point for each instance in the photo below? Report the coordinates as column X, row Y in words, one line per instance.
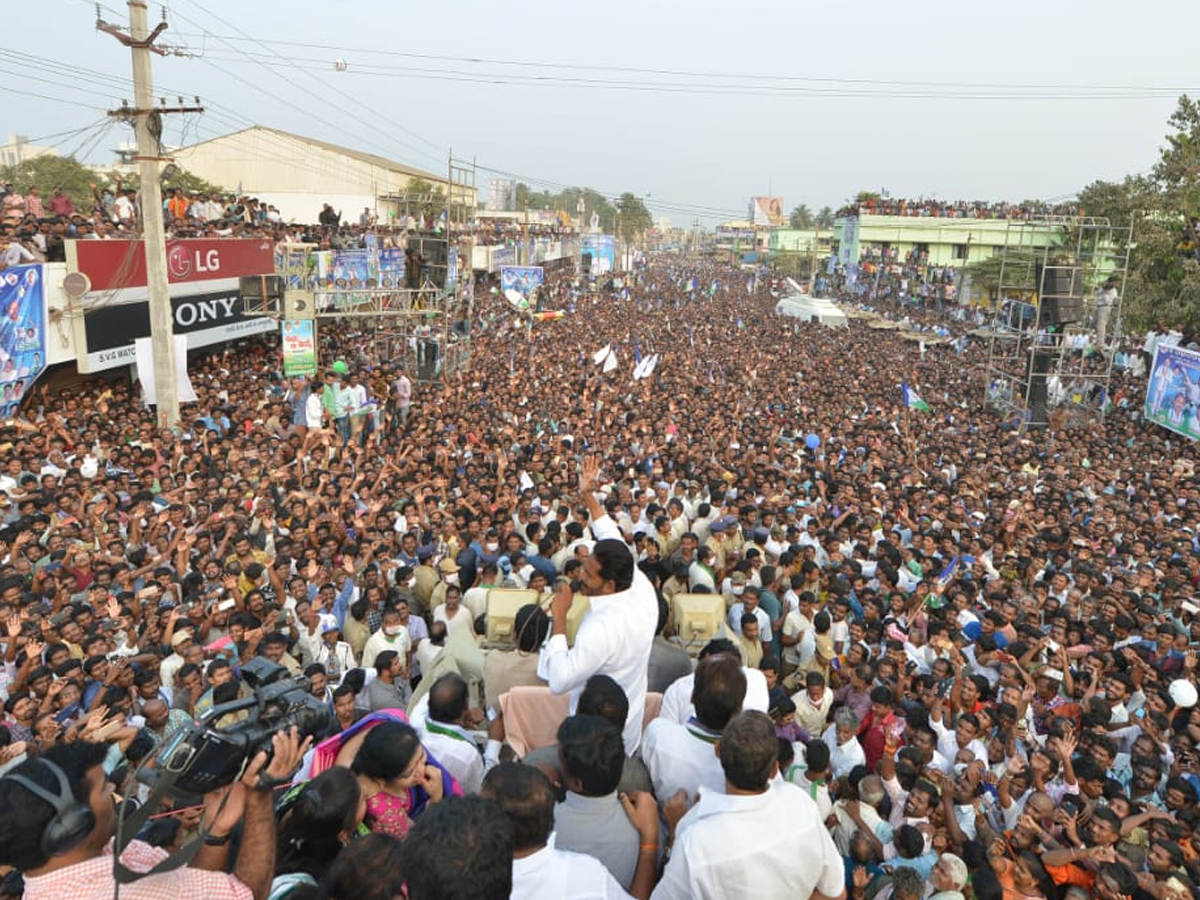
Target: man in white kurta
column 617, row 631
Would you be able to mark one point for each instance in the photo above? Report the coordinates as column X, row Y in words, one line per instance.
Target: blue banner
column 451, row 268
column 1173, row 394
column 522, row 279
column 22, row 333
column 391, row 267
column 503, row 256
column 351, row 267
column 602, row 248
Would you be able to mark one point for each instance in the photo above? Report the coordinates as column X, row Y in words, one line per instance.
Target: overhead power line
column 770, row 78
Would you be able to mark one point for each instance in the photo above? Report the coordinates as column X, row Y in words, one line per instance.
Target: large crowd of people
column 956, row 660
column 923, row 207
column 33, row 228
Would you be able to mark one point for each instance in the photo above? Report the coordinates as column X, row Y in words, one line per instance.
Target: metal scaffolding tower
column 1056, row 319
column 420, row 318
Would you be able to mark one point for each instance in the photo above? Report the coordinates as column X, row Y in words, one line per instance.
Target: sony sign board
column 207, row 318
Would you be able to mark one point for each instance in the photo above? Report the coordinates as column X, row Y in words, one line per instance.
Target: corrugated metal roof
column 369, row 158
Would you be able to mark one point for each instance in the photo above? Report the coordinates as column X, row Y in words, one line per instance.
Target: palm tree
column 801, row 217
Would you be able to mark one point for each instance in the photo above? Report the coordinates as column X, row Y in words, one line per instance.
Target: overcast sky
column 829, row 98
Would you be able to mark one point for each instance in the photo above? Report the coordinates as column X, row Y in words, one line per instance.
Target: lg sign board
column 183, row 261
column 112, row 265
column 202, row 277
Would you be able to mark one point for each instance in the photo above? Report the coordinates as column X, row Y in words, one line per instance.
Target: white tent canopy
column 811, row 309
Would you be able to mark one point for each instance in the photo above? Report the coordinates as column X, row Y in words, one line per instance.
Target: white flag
column 144, row 355
column 600, row 355
column 646, row 367
column 611, row 362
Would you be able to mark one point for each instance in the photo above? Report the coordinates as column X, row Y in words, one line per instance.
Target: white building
column 298, row 174
column 18, row 149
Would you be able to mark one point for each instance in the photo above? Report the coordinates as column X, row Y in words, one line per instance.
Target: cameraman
column 81, row 865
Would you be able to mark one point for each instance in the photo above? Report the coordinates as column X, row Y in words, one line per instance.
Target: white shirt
column 948, row 746
column 764, row 621
column 427, row 654
column 796, row 623
column 460, row 622
column 457, row 751
column 551, row 874
column 843, row 757
column 681, row 756
column 312, row 411
column 677, row 701
column 614, row 639
column 378, row 642
column 752, row 847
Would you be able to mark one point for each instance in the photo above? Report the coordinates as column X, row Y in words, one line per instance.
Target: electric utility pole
column 147, row 122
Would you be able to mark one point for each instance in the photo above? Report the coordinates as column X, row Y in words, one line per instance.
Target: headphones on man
column 73, row 821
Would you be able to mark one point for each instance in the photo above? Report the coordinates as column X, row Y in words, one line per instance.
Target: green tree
column 634, row 219
column 424, row 197
column 1163, row 280
column 181, row 179
column 801, row 217
column 825, row 217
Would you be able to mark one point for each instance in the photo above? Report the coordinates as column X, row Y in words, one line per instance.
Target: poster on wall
column 22, row 333
column 1173, row 394
column 522, row 279
column 299, row 347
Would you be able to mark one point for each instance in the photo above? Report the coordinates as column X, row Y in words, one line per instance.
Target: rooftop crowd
column 957, row 661
column 956, row 209
column 33, row 227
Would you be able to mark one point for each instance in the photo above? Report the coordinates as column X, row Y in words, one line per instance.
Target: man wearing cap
column 616, row 633
column 169, row 667
column 716, row 543
column 447, row 571
column 333, row 653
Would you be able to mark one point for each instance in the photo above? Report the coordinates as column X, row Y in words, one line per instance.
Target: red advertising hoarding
column 111, row 265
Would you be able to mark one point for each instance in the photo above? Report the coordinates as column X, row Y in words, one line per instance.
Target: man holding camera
column 60, row 820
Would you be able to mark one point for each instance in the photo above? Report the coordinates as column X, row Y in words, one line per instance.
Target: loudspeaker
column 1017, row 316
column 298, row 305
column 1059, row 294
column 1040, row 363
column 73, row 821
column 432, row 247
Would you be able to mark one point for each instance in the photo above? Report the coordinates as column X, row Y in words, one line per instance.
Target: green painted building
column 948, row 242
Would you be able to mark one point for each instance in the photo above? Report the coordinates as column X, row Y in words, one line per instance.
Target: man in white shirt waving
column 617, row 632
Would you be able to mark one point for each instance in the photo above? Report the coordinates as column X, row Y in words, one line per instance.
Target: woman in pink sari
column 398, row 777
